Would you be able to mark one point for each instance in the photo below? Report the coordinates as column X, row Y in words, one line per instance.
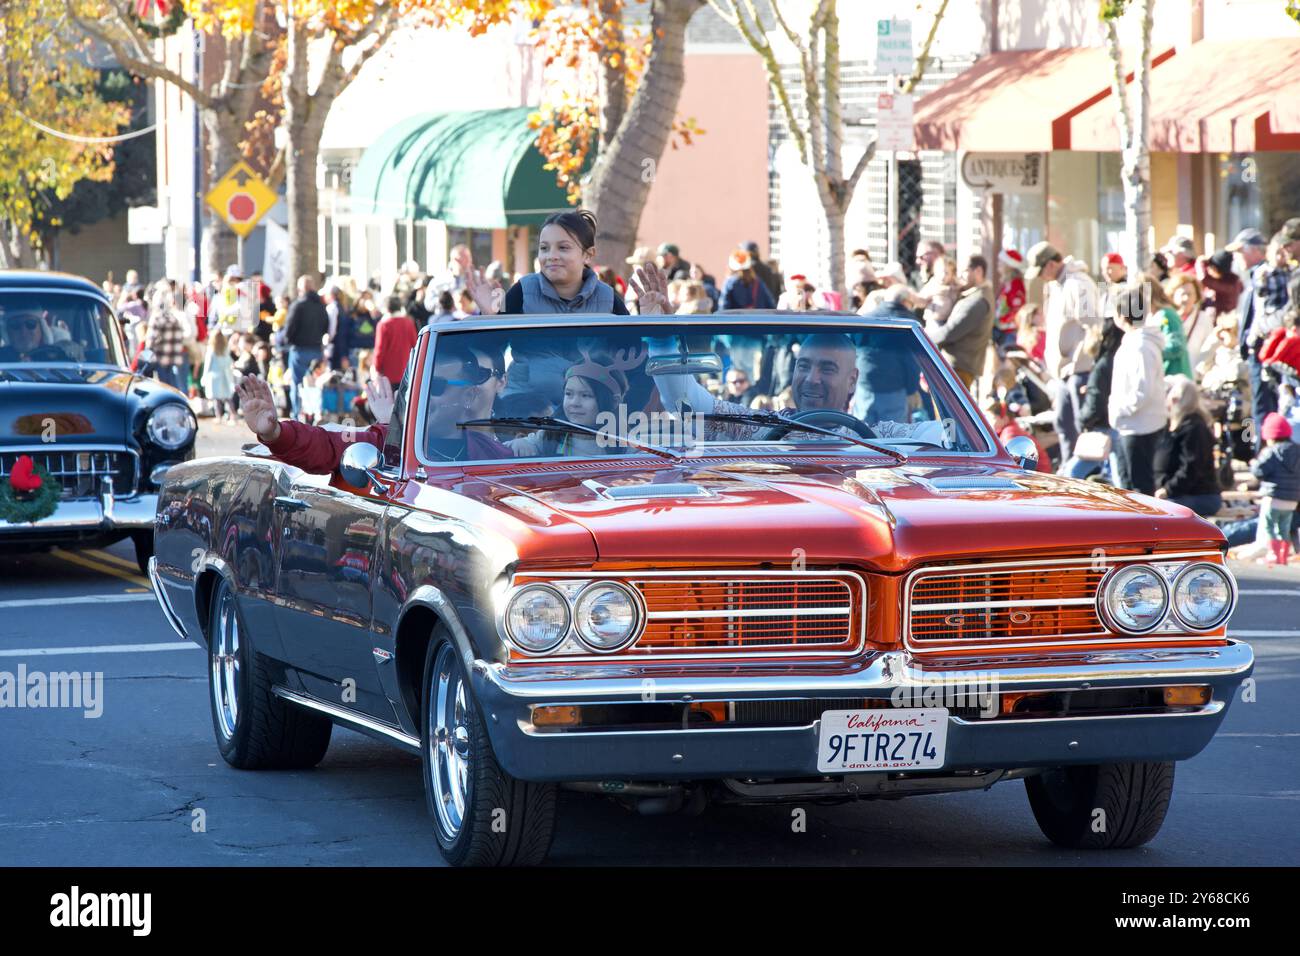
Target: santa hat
column 1012, row 259
column 1113, row 259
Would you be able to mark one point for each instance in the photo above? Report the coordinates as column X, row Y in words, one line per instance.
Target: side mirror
column 360, row 466
column 1024, row 451
column 145, row 362
column 684, row 363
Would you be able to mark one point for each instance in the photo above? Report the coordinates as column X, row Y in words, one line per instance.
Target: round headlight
column 537, row 619
column 1202, row 596
column 1135, row 599
column 605, row 616
column 172, row 425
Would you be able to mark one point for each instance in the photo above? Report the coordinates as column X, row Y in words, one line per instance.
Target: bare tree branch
column 923, row 57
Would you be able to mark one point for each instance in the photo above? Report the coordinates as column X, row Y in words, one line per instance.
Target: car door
column 328, row 543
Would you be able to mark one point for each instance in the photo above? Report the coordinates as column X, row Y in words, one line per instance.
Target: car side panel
column 218, row 513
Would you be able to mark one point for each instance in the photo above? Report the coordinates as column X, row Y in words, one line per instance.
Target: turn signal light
column 1186, row 696
column 555, row 717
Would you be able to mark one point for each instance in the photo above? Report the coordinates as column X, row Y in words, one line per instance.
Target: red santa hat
column 1012, row 259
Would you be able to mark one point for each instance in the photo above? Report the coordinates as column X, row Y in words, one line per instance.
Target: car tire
column 143, row 541
column 482, row 815
column 1132, row 799
column 255, row 729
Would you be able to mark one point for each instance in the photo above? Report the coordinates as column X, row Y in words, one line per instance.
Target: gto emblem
column 985, row 618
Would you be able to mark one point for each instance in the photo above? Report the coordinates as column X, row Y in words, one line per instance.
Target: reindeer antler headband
column 624, row 361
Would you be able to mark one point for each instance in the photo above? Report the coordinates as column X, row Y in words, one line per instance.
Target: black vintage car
column 70, row 402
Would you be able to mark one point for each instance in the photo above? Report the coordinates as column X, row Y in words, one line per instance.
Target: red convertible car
column 576, row 558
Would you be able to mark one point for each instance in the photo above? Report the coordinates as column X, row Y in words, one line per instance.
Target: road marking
column 96, row 566
column 78, row 599
column 1271, row 592
column 98, row 554
column 98, row 649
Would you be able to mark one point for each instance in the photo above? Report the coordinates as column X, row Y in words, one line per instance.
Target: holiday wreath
column 29, row 494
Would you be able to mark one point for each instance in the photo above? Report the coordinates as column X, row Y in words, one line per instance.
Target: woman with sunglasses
column 463, row 384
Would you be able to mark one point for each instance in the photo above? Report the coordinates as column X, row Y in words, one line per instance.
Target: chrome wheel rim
column 225, row 666
column 449, row 742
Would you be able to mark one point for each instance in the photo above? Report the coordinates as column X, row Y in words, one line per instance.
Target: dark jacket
column 1095, row 413
column 1184, row 460
column 965, row 337
column 307, row 322
column 738, row 294
column 1278, row 471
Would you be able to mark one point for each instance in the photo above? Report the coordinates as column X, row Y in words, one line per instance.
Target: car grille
column 1009, row 604
column 762, row 614
column 79, row 472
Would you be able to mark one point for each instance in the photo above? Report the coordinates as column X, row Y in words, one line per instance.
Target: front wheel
column 482, row 816
column 255, row 729
column 1102, row 806
column 143, row 541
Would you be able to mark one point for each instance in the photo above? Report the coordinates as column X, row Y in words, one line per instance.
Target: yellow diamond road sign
column 241, row 198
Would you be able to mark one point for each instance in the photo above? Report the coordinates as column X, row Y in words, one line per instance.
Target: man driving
column 25, row 332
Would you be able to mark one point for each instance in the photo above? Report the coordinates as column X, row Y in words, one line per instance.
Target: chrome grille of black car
column 79, row 472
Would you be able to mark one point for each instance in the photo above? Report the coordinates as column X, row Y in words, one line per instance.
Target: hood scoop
column 973, row 483
column 644, row 491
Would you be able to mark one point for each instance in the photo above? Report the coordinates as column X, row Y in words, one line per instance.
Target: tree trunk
column 624, row 171
column 304, row 121
column 613, row 79
column 1133, row 122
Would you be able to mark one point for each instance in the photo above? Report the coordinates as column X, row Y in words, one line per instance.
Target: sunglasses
column 31, row 325
column 473, row 375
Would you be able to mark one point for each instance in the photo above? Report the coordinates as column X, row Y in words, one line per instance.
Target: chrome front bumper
column 711, row 752
column 88, row 515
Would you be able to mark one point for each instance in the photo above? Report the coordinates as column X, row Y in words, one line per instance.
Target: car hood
column 83, row 403
column 840, row 513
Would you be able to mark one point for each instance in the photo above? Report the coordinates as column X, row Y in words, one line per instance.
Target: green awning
column 476, row 169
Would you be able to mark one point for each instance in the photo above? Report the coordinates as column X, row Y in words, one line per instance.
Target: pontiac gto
column 572, row 560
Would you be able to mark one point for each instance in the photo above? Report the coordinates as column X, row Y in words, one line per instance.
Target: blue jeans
column 1263, row 398
column 299, row 361
column 1204, row 505
column 874, row 407
column 171, row 375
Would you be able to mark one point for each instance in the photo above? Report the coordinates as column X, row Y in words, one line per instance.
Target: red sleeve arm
column 316, row 450
column 1271, row 345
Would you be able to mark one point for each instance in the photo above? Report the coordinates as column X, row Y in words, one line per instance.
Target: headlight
column 171, row 426
column 537, row 619
column 1135, row 600
column 1202, row 596
column 606, row 616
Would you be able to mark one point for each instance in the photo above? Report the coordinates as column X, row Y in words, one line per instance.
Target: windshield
column 56, row 327
column 689, row 390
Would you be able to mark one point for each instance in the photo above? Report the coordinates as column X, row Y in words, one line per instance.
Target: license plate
column 894, row 739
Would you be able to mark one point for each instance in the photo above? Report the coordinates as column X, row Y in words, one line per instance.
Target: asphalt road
column 122, row 788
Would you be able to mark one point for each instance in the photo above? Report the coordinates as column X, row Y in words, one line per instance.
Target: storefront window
column 478, row 240
column 1256, row 190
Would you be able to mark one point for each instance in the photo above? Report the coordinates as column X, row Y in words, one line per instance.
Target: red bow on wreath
column 142, row 7
column 23, row 478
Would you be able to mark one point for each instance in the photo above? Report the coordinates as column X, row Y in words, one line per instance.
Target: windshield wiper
column 548, row 423
column 767, row 418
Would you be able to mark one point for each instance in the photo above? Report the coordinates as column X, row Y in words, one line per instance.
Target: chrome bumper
column 104, row 513
column 710, row 752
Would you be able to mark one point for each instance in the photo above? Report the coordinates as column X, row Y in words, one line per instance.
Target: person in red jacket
column 1281, row 349
column 466, row 382
column 394, row 339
